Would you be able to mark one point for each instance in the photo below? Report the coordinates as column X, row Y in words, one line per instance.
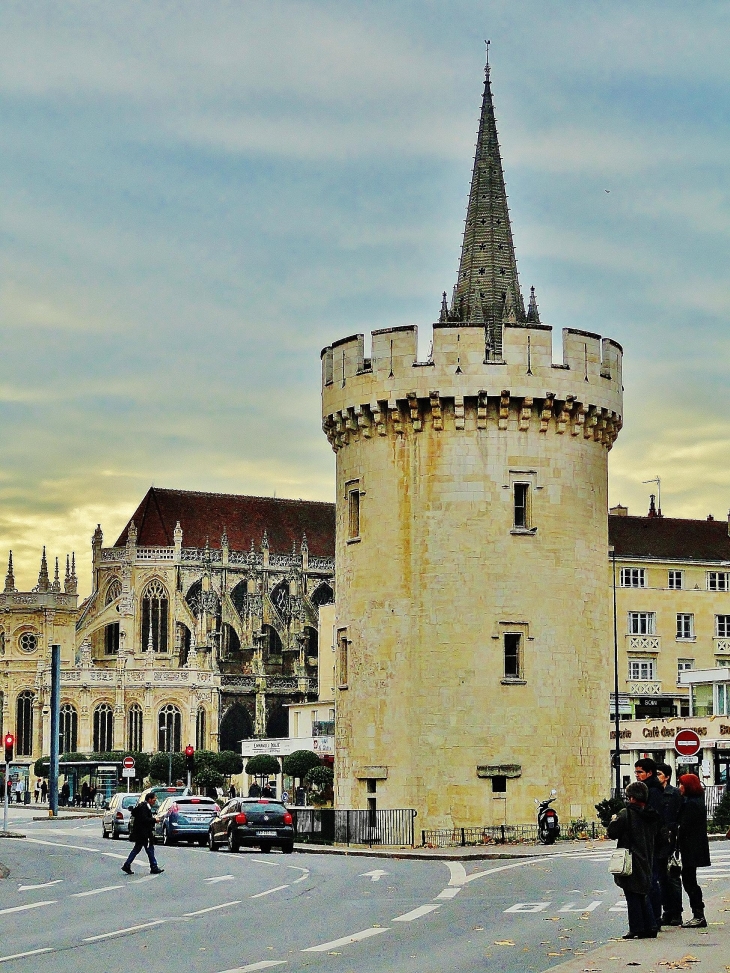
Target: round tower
column 473, row 608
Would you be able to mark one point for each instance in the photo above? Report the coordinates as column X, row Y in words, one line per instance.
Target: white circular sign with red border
column 128, row 762
column 687, row 743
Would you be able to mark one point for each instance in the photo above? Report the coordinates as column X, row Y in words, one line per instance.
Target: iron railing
column 328, row 825
column 713, row 796
column 504, row 834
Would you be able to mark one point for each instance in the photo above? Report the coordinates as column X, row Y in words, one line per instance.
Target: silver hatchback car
column 117, row 816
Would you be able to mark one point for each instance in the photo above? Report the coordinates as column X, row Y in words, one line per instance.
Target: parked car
column 117, row 816
column 252, row 821
column 185, row 818
column 162, row 792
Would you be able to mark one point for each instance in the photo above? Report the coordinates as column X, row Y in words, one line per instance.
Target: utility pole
column 617, row 723
column 55, row 720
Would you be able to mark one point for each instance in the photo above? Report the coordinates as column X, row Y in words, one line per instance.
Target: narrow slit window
column 512, row 661
column 353, row 512
column 521, row 497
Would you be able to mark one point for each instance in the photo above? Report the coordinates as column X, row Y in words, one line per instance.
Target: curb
column 68, row 817
column 12, row 834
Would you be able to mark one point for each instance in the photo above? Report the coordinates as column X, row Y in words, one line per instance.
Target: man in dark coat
column 635, row 827
column 670, row 884
column 645, row 770
column 693, row 845
column 141, row 831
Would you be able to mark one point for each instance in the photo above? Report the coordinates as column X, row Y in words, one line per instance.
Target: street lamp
column 164, row 729
column 617, row 748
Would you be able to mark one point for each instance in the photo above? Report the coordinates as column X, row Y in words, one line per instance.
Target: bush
column 721, row 817
column 159, row 765
column 606, row 809
column 320, row 777
column 229, row 762
column 208, row 777
column 298, row 763
column 262, row 765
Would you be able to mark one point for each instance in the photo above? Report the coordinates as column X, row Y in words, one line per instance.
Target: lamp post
column 165, row 729
column 617, row 747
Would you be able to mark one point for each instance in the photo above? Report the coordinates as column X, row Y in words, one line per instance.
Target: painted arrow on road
column 375, row 875
column 220, row 878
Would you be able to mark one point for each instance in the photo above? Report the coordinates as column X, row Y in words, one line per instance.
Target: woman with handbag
column 694, row 848
column 635, row 828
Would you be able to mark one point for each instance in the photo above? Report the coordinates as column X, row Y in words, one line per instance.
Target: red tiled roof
column 204, row 516
column 669, row 538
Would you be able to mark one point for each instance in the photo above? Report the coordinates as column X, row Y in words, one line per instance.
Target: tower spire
column 10, row 577
column 488, row 267
column 44, row 582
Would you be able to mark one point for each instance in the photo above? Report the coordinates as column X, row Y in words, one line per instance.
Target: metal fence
column 713, row 796
column 504, row 834
column 328, row 825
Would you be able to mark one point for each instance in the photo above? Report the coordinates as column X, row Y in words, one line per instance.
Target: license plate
column 197, row 818
column 267, row 834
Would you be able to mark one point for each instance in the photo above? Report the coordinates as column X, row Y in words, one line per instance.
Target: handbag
column 620, row 862
column 674, row 864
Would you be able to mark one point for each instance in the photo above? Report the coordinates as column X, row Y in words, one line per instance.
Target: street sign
column 127, row 771
column 687, row 743
column 128, row 764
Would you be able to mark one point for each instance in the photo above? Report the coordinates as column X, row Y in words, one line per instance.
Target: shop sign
column 324, row 744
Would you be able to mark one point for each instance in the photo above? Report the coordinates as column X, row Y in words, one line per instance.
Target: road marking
column 121, row 932
column 505, row 868
column 528, row 907
column 60, row 844
column 45, row 885
column 302, row 878
column 422, row 910
column 346, row 940
column 260, row 895
column 570, row 907
column 212, row 908
column 141, row 881
column 31, row 952
column 261, row 861
column 263, row 965
column 448, row 893
column 619, row 907
column 458, row 873
column 113, row 854
column 375, row 875
column 219, row 878
column 31, row 905
column 107, row 888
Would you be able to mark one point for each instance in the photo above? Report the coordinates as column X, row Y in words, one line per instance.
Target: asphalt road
column 66, row 905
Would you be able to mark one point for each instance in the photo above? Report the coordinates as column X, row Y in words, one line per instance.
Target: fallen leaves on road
column 504, row 942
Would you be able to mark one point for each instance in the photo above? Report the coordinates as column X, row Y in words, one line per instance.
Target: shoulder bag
column 621, row 862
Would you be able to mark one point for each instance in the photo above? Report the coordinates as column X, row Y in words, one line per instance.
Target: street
column 65, row 904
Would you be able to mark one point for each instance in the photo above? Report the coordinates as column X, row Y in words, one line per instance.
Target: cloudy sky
column 198, row 196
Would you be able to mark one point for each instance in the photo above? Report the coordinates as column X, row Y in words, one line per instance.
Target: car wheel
column 167, row 838
column 114, row 834
column 212, row 846
column 265, row 847
column 287, row 848
column 233, row 844
column 104, row 832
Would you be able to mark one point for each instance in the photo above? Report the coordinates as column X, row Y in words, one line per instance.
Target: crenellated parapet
column 391, row 391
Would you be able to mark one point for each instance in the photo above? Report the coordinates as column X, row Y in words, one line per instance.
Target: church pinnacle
column 488, row 268
column 10, row 577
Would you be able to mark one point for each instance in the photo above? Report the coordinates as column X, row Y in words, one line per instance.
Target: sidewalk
column 699, row 950
column 459, row 853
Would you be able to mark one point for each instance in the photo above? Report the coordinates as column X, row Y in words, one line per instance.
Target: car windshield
column 130, row 800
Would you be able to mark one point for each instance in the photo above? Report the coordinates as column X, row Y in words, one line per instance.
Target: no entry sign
column 128, row 763
column 687, row 743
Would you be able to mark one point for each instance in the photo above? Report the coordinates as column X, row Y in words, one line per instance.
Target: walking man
column 143, row 825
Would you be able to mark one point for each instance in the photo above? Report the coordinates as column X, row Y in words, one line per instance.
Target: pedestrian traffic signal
column 9, row 747
column 190, row 757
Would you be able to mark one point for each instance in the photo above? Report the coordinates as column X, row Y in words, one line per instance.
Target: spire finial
column 487, row 44
column 56, row 586
column 533, row 314
column 44, row 582
column 10, row 577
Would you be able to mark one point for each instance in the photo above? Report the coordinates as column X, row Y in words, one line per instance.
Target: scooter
column 548, row 827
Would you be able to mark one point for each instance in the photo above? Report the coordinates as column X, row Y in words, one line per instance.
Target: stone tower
column 473, row 613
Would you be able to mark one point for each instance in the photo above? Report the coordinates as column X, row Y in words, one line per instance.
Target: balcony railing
column 644, row 643
column 722, row 645
column 643, row 687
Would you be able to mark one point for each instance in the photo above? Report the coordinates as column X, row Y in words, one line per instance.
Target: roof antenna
column 658, row 482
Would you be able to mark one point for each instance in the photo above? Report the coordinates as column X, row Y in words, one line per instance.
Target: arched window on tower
column 272, row 642
column 24, row 724
column 134, row 727
column 169, row 727
column 113, row 592
column 230, row 642
column 201, row 736
column 154, row 617
column 311, row 648
column 68, row 729
column 322, row 595
column 103, row 728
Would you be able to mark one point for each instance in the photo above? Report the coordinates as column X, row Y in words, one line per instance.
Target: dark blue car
column 185, row 818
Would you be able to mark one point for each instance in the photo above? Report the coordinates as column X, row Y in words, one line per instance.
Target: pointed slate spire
column 488, row 267
column 533, row 314
column 56, row 586
column 444, row 315
column 10, row 577
column 44, row 582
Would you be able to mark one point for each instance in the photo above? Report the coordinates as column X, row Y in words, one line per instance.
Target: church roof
column 669, row 539
column 488, row 285
column 204, row 517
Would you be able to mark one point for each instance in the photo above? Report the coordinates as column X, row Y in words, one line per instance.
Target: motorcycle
column 548, row 826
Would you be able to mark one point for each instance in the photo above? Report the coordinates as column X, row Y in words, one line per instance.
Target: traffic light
column 9, row 747
column 190, row 757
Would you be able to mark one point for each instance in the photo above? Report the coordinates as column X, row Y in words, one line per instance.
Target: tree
column 262, row 765
column 159, row 767
column 606, row 809
column 208, row 777
column 320, row 777
column 298, row 763
column 721, row 817
column 230, row 762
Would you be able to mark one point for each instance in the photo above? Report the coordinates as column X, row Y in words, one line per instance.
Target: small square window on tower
column 512, row 655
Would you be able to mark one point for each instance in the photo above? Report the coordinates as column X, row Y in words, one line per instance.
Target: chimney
column 621, row 511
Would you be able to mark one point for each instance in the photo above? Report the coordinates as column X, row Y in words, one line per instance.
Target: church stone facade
column 200, row 628
column 473, row 615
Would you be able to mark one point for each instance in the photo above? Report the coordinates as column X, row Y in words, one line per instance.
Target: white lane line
column 302, row 878
column 212, row 908
column 263, row 965
column 260, row 861
column 448, row 893
column 121, row 932
column 31, row 952
column 506, row 868
column 45, row 885
column 458, row 873
column 31, row 905
column 260, row 895
column 219, row 878
column 422, row 910
column 61, row 844
column 113, row 854
column 346, row 940
column 107, row 888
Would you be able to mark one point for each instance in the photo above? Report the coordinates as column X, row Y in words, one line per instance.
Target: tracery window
column 68, row 729
column 169, row 727
column 154, row 617
column 134, row 727
column 113, row 592
column 111, row 639
column 28, row 641
column 201, row 739
column 103, row 728
column 24, row 724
